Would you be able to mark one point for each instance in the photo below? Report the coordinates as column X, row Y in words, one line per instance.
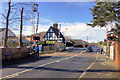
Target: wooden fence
column 48, row 48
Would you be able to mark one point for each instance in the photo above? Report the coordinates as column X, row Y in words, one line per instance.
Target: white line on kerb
column 80, row 76
column 17, row 73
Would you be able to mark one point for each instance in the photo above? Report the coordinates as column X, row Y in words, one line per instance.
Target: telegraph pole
column 37, row 22
column 87, row 38
column 59, row 37
column 35, row 9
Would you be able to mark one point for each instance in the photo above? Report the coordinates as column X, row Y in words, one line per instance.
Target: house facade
column 55, row 37
column 11, row 35
column 53, row 34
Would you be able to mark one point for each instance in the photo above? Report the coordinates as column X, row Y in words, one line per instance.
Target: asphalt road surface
column 75, row 64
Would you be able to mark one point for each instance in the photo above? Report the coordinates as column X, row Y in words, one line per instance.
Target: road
column 75, row 64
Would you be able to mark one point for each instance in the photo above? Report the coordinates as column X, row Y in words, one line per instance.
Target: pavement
column 103, row 68
column 71, row 65
column 22, row 60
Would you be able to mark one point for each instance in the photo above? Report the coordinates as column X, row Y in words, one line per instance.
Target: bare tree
column 7, row 23
column 13, row 16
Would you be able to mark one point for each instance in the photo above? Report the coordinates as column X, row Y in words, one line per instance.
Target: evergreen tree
column 104, row 13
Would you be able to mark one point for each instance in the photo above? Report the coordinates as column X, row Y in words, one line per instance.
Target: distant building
column 11, row 35
column 79, row 43
column 55, row 37
column 28, row 38
column 53, row 34
column 41, row 34
column 68, row 42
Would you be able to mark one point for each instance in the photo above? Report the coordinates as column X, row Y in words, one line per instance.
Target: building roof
column 79, row 41
column 42, row 34
column 2, row 29
column 67, row 39
column 56, row 31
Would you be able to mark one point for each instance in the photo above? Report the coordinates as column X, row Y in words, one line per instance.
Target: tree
column 101, row 42
column 13, row 16
column 7, row 23
column 105, row 13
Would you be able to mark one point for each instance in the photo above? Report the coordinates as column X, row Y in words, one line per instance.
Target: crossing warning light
column 35, row 38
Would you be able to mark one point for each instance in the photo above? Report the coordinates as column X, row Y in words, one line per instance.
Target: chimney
column 55, row 25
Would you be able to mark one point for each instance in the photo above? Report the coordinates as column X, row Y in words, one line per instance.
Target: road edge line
column 81, row 75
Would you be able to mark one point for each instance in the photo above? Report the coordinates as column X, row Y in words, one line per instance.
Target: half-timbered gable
column 53, row 34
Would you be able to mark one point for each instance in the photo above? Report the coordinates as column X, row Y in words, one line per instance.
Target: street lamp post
column 87, row 38
column 65, row 37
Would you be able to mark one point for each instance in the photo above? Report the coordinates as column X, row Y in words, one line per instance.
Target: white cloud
column 78, row 4
column 81, row 31
column 48, row 0
column 45, row 19
column 41, row 19
column 76, row 30
column 28, row 30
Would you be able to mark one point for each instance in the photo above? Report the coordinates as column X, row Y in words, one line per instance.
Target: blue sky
column 71, row 15
column 66, row 11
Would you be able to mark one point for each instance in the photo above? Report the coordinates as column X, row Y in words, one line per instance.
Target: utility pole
column 34, row 23
column 65, row 38
column 87, row 38
column 35, row 9
column 21, row 21
column 37, row 22
column 58, row 37
column 107, row 39
column 7, row 23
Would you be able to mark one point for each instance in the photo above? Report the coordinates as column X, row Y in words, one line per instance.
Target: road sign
column 50, row 42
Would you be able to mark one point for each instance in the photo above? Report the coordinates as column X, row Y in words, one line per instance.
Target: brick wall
column 18, row 53
column 117, row 54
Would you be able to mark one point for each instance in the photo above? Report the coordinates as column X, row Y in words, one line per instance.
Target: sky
column 73, row 17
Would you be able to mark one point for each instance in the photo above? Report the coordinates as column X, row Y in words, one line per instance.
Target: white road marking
column 87, row 68
column 99, row 73
column 17, row 73
column 103, row 63
column 57, row 61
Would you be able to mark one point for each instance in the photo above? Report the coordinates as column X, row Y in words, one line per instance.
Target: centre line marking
column 17, row 73
column 87, row 68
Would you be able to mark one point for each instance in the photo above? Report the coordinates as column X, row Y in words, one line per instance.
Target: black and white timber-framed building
column 53, row 34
